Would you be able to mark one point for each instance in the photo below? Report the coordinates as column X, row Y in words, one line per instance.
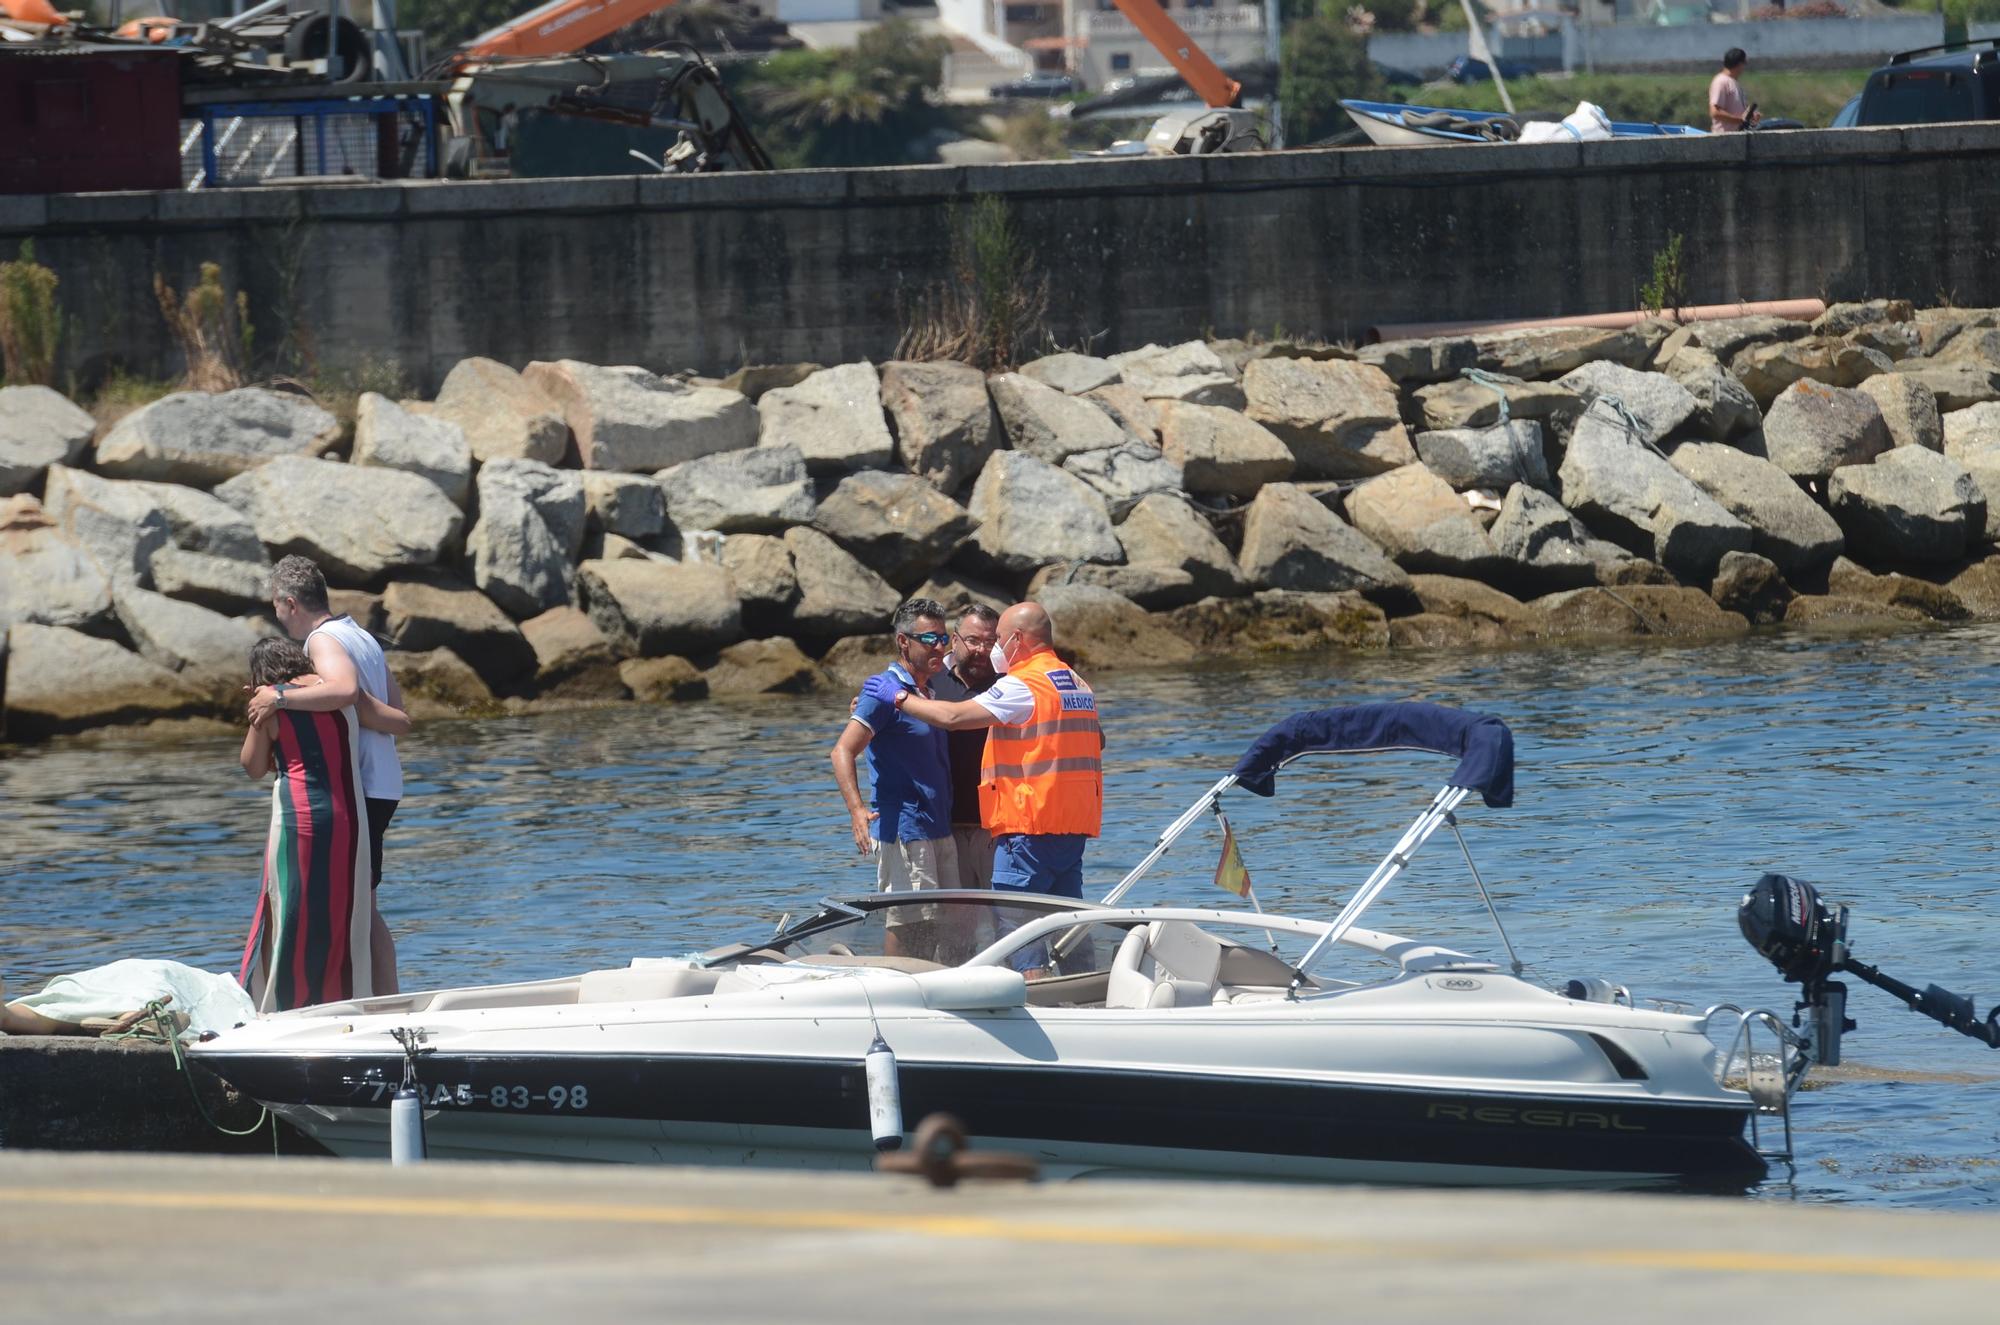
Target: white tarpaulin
column 211, row 1002
column 1585, row 124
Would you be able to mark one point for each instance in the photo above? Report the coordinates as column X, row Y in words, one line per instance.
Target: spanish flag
column 1230, row 873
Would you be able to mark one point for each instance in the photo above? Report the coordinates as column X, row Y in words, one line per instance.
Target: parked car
column 1395, row 77
column 1934, row 85
column 1036, row 85
column 1465, row 69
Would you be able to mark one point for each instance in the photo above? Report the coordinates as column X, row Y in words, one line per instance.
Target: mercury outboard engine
column 1784, row 919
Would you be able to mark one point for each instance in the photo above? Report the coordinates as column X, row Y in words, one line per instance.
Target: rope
column 1495, row 383
column 163, row 1028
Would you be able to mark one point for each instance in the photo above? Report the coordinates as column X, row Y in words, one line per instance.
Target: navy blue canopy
column 1481, row 743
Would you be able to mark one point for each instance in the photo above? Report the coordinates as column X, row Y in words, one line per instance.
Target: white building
column 1094, row 41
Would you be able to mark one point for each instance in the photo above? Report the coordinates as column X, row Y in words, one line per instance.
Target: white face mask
column 999, row 659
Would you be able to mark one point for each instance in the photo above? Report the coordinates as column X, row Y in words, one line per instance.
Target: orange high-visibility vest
column 1046, row 776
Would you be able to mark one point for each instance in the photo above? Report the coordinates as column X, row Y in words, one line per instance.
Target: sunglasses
column 935, row 639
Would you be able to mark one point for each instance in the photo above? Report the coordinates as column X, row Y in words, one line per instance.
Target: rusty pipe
column 1798, row 310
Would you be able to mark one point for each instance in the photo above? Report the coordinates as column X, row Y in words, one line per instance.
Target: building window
column 1024, row 13
column 1121, row 61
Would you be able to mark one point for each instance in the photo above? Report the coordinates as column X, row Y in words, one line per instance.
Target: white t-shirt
column 381, row 770
column 1009, row 701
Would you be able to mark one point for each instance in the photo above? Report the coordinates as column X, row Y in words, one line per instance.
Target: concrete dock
column 118, row 1237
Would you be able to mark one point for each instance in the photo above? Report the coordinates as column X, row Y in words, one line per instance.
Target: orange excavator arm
column 557, row 28
column 1192, row 63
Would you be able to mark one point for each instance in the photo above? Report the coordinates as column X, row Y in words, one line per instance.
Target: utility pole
column 1273, row 36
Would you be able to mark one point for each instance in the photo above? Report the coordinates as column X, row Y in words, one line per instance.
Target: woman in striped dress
column 309, row 939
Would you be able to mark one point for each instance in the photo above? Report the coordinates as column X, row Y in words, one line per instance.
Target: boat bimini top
column 1481, row 743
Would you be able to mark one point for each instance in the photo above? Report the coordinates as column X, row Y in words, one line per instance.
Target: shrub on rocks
column 1658, row 404
column 1220, row 452
column 438, row 610
column 1632, row 496
column 833, row 419
column 1493, row 458
column 762, row 489
column 60, row 680
column 1909, row 410
column 1126, row 473
column 1812, row 430
column 201, row 440
column 502, row 414
column 358, row 524
column 386, row 436
column 652, row 608
column 629, row 419
column 1164, row 530
column 38, row 428
column 530, row 530
column 1908, row 505
column 1786, row 525
column 1072, row 374
column 1416, row 518
column 944, row 422
column 897, row 524
column 1724, row 407
column 1340, row 419
column 1043, row 422
column 1291, row 541
column 837, row 594
column 1031, row 513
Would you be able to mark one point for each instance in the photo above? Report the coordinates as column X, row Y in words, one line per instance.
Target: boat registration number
column 463, row 1095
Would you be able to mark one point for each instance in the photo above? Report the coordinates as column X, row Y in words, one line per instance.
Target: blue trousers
column 1039, row 863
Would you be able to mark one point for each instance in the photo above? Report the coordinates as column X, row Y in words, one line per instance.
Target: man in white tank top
column 349, row 661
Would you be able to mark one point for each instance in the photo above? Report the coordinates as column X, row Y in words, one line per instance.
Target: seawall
column 710, row 272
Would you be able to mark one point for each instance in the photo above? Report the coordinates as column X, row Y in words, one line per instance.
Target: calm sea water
column 1655, row 783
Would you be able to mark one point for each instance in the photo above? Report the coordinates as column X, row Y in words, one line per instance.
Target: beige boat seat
column 1167, row 964
column 641, row 984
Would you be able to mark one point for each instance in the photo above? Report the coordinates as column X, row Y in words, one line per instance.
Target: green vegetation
column 991, row 312
column 1666, row 293
column 1323, row 60
column 865, row 106
column 30, row 321
column 1813, row 97
column 211, row 328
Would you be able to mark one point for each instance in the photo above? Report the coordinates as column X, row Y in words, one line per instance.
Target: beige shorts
column 914, row 866
column 975, row 856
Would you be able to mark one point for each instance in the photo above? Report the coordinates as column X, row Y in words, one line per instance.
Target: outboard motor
column 1784, row 919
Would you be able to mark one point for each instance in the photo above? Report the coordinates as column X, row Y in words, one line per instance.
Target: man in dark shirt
column 967, row 672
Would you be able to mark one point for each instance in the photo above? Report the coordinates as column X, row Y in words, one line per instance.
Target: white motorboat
column 1096, row 1037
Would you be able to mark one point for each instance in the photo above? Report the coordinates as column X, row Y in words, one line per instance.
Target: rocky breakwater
column 573, row 533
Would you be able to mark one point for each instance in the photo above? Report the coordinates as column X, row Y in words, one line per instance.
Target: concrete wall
column 1788, row 43
column 712, row 271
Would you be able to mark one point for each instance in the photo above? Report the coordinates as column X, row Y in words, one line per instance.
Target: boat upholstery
column 1184, row 962
column 639, row 984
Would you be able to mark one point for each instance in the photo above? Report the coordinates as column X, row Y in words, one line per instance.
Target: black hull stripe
column 1074, row 1105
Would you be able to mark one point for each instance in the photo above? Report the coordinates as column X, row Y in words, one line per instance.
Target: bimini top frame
column 1481, row 743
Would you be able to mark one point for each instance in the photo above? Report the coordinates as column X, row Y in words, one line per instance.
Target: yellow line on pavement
column 977, row 1228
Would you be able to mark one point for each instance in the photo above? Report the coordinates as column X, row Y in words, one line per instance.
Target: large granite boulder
column 1658, row 404
column 1048, row 425
column 120, row 524
column 1340, row 419
column 1164, row 530
column 227, row 584
column 837, row 594
column 199, row 439
column 1974, row 426
column 1840, row 319
column 1629, row 494
column 387, row 436
column 1152, row 586
column 438, row 610
column 764, row 667
column 762, row 577
column 502, row 414
column 943, row 420
column 834, row 419
column 1724, row 337
column 1766, row 370
column 1660, row 610
column 1129, row 409
column 1097, row 629
column 651, row 608
column 1786, row 525
column 1469, row 404
column 1282, row 621
column 1812, row 430
column 1955, row 384
column 627, row 418
column 629, row 505
column 1031, row 513
column 1192, row 372
column 46, row 578
column 208, row 649
column 1421, row 362
column 1125, row 473
column 1972, row 438
column 1545, row 548
column 60, row 680
column 1490, row 614
column 1073, row 374
column 530, row 530
column 38, row 428
column 439, row 684
column 1936, row 601
column 1220, row 452
column 1416, row 518
column 897, row 524
column 763, row 488
column 1752, row 587
column 1292, row 541
column 357, row 523
column 1909, row 504
column 1495, row 458
column 1553, row 351
column 1909, row 410
column 573, row 658
column 1724, row 407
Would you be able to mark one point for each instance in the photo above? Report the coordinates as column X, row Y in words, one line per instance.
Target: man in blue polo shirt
column 909, row 831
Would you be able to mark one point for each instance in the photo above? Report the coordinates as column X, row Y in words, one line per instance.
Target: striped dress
column 315, row 903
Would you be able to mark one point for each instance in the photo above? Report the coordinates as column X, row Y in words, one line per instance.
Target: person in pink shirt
column 1728, row 108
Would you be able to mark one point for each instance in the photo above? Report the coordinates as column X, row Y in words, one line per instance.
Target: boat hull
column 812, row 1113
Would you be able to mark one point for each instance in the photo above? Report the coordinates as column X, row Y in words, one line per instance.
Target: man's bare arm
column 853, row 740
column 339, row 686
